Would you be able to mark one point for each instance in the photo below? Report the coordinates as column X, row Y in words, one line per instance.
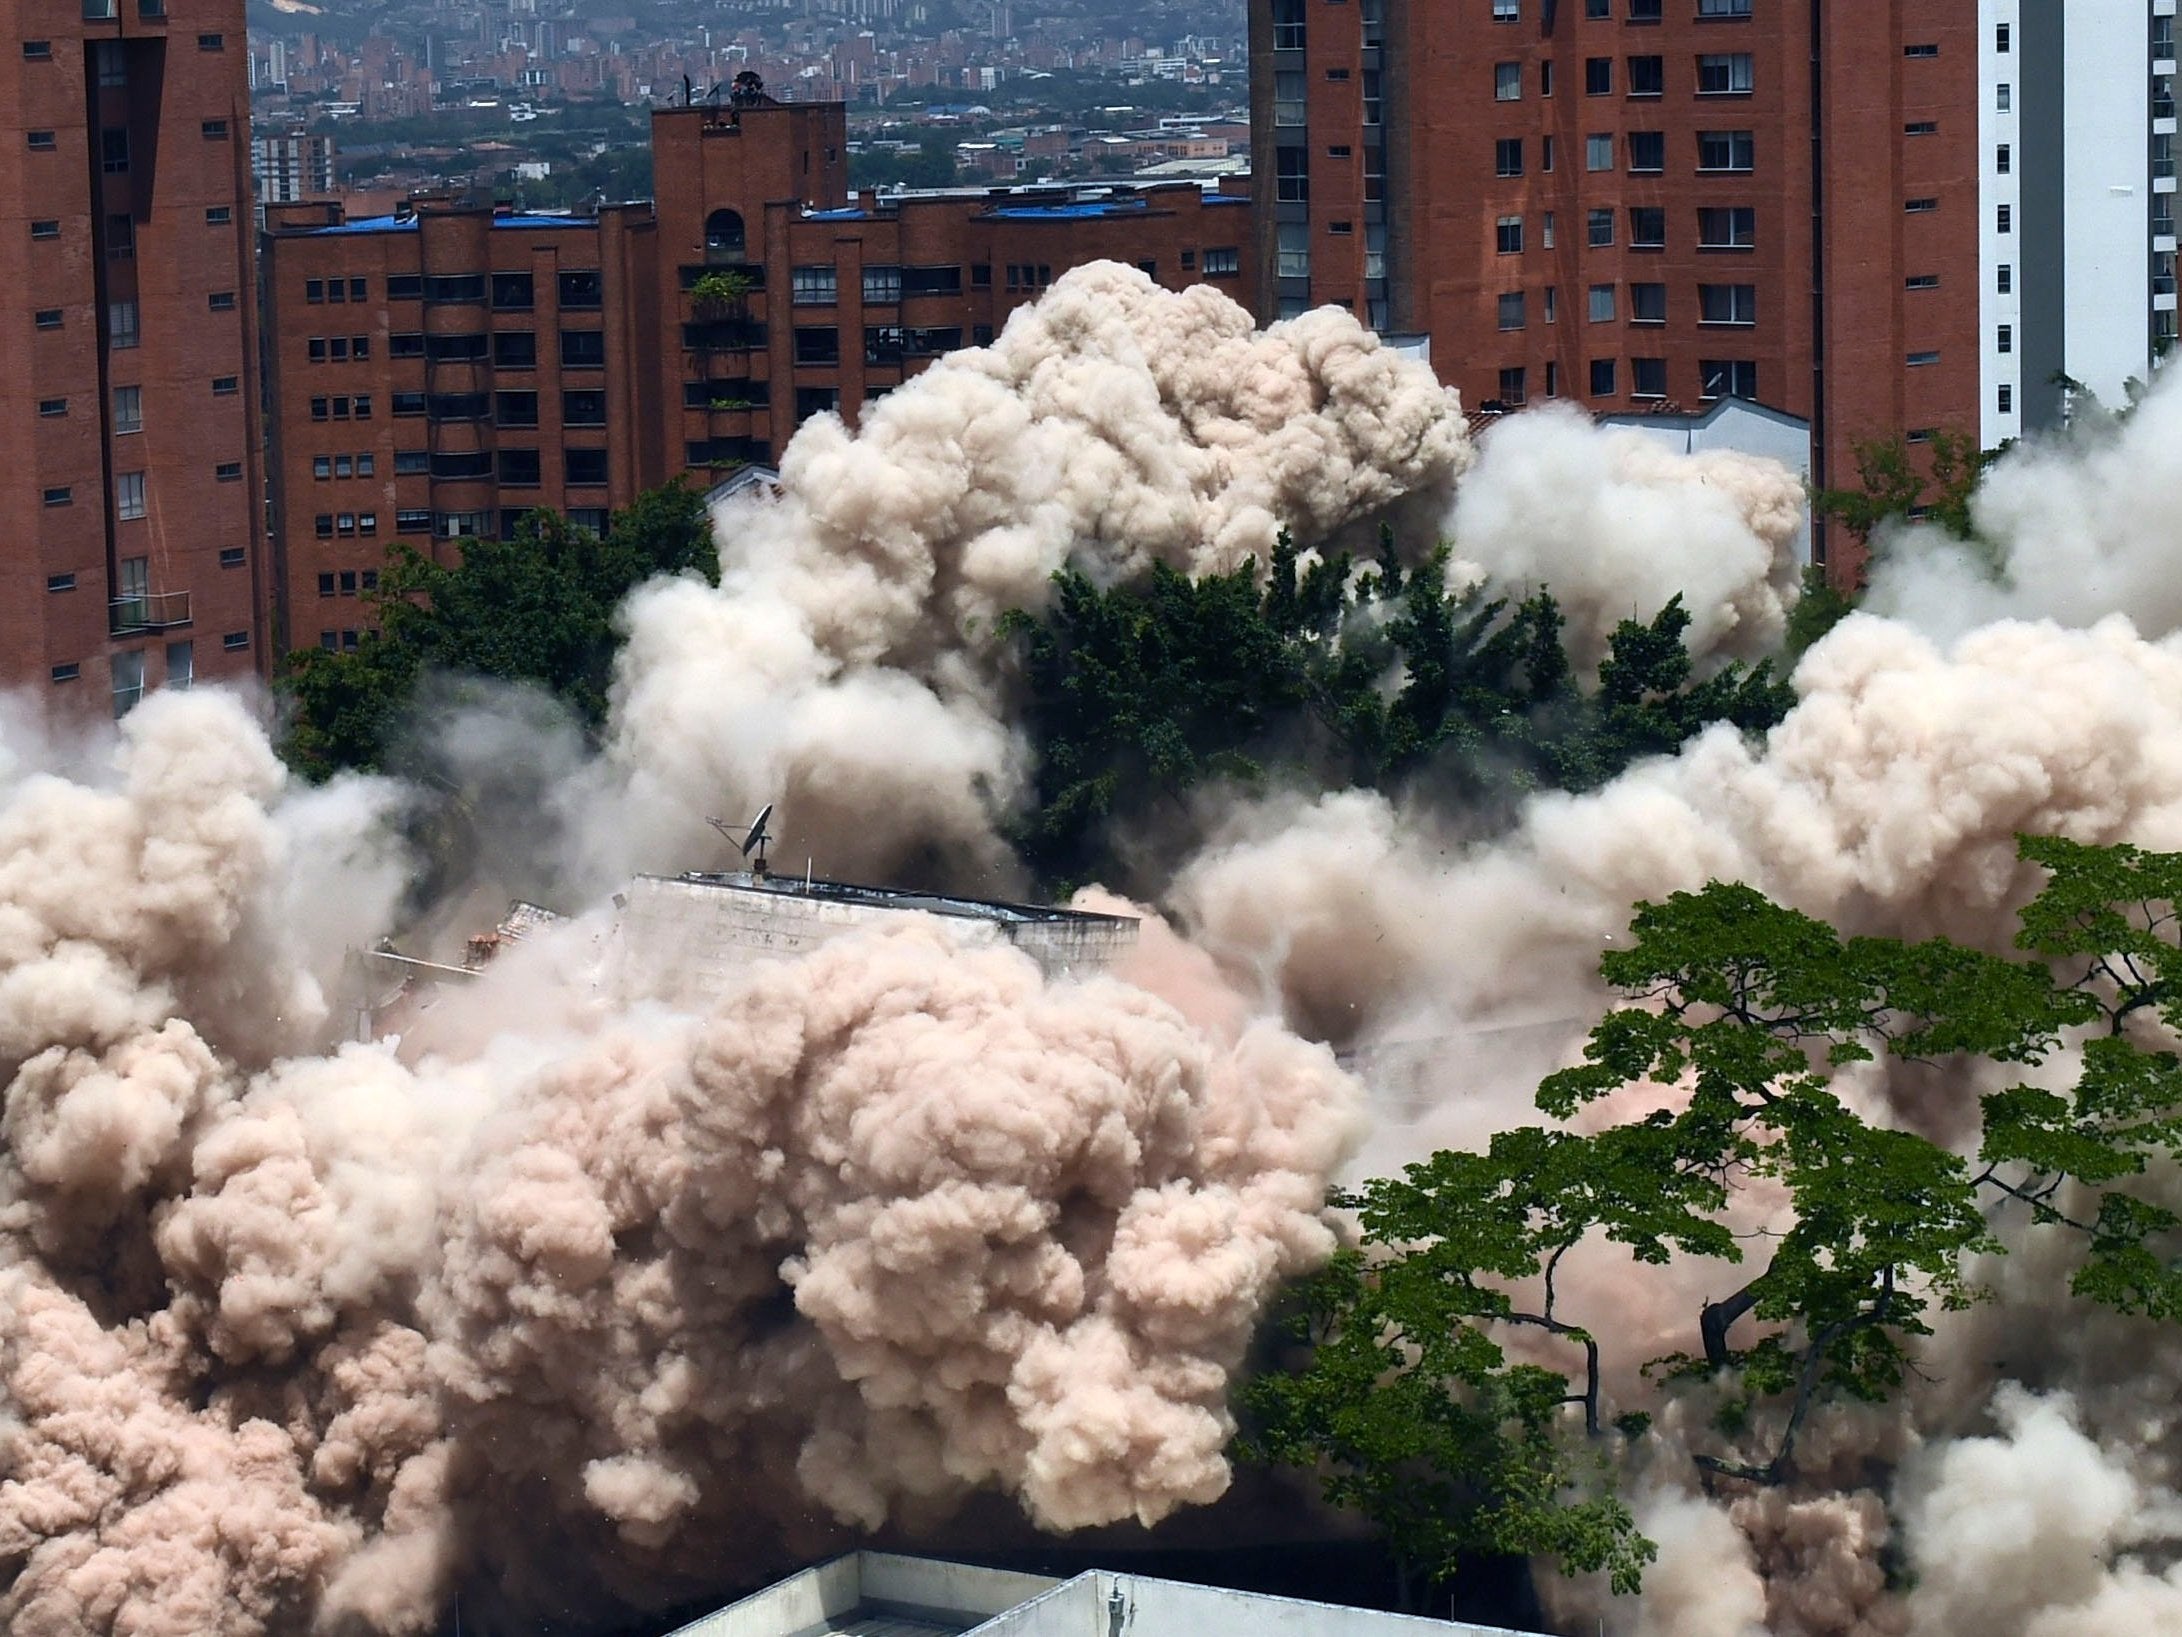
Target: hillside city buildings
column 128, row 395
column 1952, row 217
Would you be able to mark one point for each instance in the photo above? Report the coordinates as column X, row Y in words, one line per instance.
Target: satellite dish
column 753, row 840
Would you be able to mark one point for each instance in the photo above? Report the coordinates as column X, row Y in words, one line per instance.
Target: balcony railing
column 151, row 611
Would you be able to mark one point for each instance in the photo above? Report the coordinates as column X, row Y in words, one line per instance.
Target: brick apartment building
column 1639, row 203
column 437, row 373
column 128, row 391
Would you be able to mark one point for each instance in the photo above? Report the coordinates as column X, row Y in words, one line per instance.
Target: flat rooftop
column 819, row 890
column 407, row 223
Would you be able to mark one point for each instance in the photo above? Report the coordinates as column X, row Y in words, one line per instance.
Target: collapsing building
column 679, row 936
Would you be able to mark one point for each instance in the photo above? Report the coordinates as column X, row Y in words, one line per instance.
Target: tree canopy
column 1139, row 692
column 537, row 608
column 1406, row 1402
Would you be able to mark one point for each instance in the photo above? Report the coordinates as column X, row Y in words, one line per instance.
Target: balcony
column 150, row 611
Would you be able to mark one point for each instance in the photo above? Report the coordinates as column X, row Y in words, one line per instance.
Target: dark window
column 583, row 349
column 1926, row 281
column 514, row 349
column 1728, row 378
column 1602, row 377
column 60, row 582
column 582, row 288
column 45, row 228
column 451, row 287
column 1921, row 207
column 38, row 51
column 1922, row 127
column 513, row 292
column 1647, row 151
column 1647, row 377
column 234, row 640
column 1647, row 304
column 120, row 236
column 1291, row 176
column 336, row 290
column 1723, row 8
column 415, row 462
column 1920, row 51
column 325, row 532
column 113, row 149
column 211, row 42
column 221, row 301
column 583, row 409
column 1727, row 304
column 52, row 407
column 363, row 406
column 469, row 463
column 1731, row 227
column 461, row 349
column 585, row 466
column 1647, row 76
column 1511, row 387
column 43, row 141
column 1599, row 228
column 228, row 471
column 1917, row 360
column 1644, row 11
column 226, row 386
column 1726, row 151
column 413, row 522
column 519, row 467
column 47, row 318
column 1288, row 28
column 215, row 130
column 1508, row 235
column 314, row 290
column 218, row 215
column 1726, row 74
column 408, row 403
column 816, row 401
column 931, row 281
column 459, row 406
column 2004, row 219
column 1598, row 76
column 405, row 344
column 1648, row 227
column 404, row 287
column 818, row 346
column 66, row 673
column 59, row 496
column 1508, row 156
column 231, row 557
column 318, row 409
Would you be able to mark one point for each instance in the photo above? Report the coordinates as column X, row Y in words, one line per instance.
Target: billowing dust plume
column 583, row 1304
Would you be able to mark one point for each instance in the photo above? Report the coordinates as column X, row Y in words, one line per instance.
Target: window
column 1645, row 11
column 214, row 130
column 1725, row 74
column 2003, row 96
column 450, row 287
column 404, row 287
column 1647, row 152
column 586, row 466
column 1598, row 76
column 2006, row 402
column 113, row 149
column 583, row 409
column 325, row 532
column 1507, row 82
column 1511, row 310
column 1602, row 377
column 511, row 349
column 2003, row 159
column 1598, row 10
column 1373, row 105
column 1726, row 151
column 818, row 346
column 1599, row 227
column 1600, row 304
column 417, row 462
column 321, row 466
column 1553, row 304
column 1647, row 76
column 227, row 471
column 2004, row 278
column 128, row 495
column 1545, row 230
column 1507, row 11
column 460, row 525
column 344, row 466
column 211, row 42
column 469, row 347
column 51, row 408
column 128, row 409
column 1545, row 152
column 1223, row 262
column 1727, row 378
column 218, row 215
column 1291, row 176
column 60, row 496
column 1727, row 304
column 882, row 286
column 1598, row 152
column 1334, row 150
column 127, row 670
column 405, row 344
column 1922, row 127
column 111, row 62
column 37, row 51
column 2006, row 338
column 2004, row 219
column 1345, row 229
column 1922, row 207
column 514, row 292
column 1508, row 235
column 335, row 290
column 1292, row 250
column 1288, row 25
column 1508, row 156
column 318, row 408
column 1511, row 387
column 1919, row 360
column 582, row 287
column 1647, row 304
column 454, row 406
column 2000, row 38
column 519, row 468
column 45, row 228
column 226, row 386
column 346, row 526
column 813, row 286
column 413, row 522
column 1920, row 51
column 49, row 318
column 338, row 349
column 1647, row 377
column 235, row 641
column 42, row 141
column 60, row 582
column 1921, row 281
column 405, row 403
column 516, row 409
column 314, row 290
column 1648, row 227
column 1732, row 227
column 1545, row 78
column 66, row 673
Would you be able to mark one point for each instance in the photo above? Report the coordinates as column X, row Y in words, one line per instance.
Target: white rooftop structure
column 877, row 1594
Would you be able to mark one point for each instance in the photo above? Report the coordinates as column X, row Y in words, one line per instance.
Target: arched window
column 723, row 236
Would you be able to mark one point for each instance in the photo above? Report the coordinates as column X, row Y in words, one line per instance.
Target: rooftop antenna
column 755, row 839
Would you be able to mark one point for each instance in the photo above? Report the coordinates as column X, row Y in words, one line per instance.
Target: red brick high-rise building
column 128, row 392
column 439, row 372
column 1638, row 203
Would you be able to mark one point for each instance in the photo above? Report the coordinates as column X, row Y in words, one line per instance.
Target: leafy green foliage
column 1339, row 676
column 1749, row 1009
column 1891, row 485
column 1821, row 606
column 538, row 608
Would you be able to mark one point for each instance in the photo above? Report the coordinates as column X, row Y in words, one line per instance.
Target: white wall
column 1995, row 249
column 2107, row 82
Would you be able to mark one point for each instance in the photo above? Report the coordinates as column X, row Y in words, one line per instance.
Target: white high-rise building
column 2077, row 132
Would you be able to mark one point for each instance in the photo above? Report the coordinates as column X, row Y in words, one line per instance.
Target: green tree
column 1892, row 487
column 1822, row 606
column 1406, row 1403
column 538, row 608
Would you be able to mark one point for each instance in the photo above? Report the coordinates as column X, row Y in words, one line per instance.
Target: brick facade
column 127, row 393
